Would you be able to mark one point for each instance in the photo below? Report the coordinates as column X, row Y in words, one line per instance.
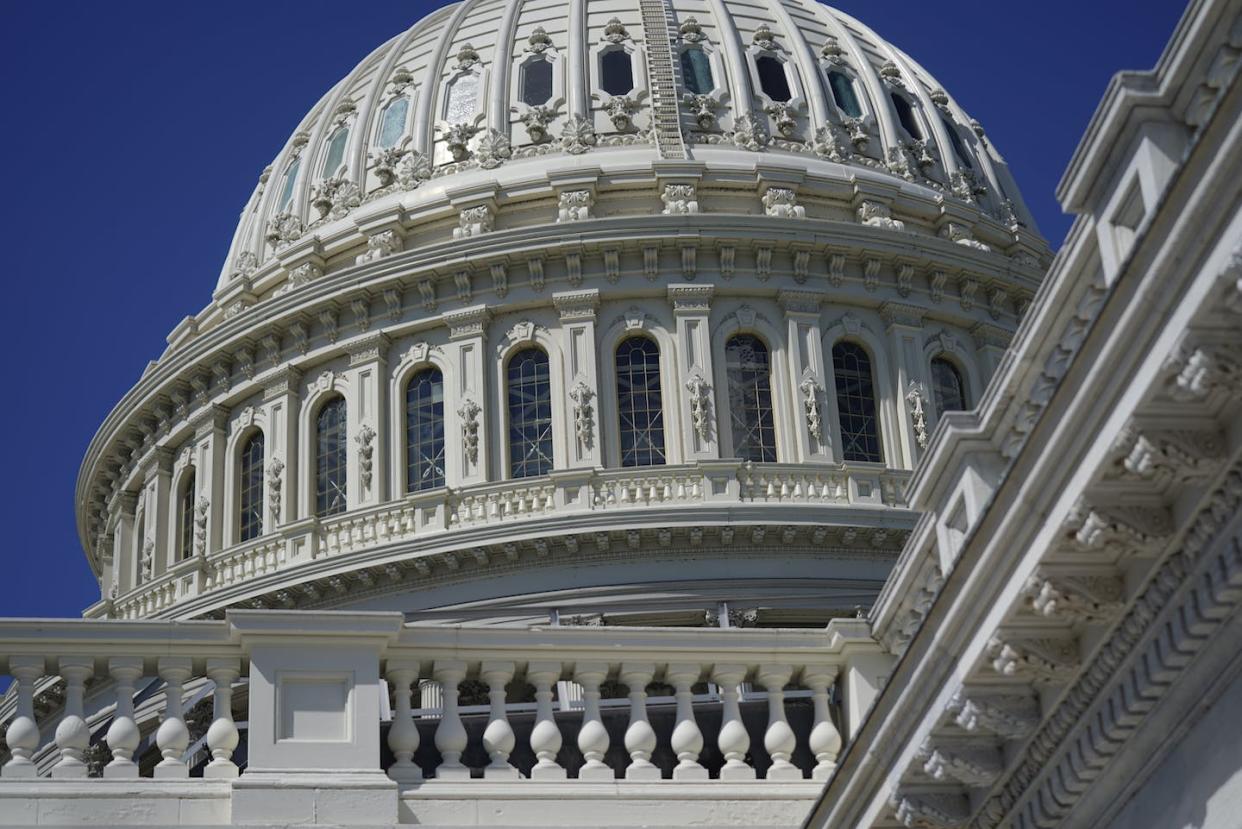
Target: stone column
column 467, row 414
column 904, row 327
column 73, row 737
column 123, row 509
column 160, row 510
column 697, row 413
column 864, row 677
column 283, row 404
column 580, row 380
column 367, row 422
column 211, row 446
column 805, row 352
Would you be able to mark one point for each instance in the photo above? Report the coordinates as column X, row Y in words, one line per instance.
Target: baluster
column 733, row 739
column 222, row 736
column 687, row 739
column 640, row 737
column 403, row 733
column 173, row 737
column 451, row 734
column 825, row 740
column 545, row 737
column 73, row 738
column 592, row 736
column 22, row 734
column 625, row 492
column 779, row 738
column 498, row 739
column 123, row 735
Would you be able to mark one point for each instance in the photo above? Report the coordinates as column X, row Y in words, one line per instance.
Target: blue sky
column 134, row 132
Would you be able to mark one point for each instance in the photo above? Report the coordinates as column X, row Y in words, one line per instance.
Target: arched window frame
column 342, row 168
column 638, row 71
column 878, row 395
column 868, row 117
column 329, row 384
column 665, row 431
column 961, row 376
column 405, row 138
column 417, row 357
column 798, row 98
column 317, row 458
column 947, row 345
column 556, row 103
column 184, row 476
column 234, row 484
column 916, row 112
column 287, row 192
column 522, row 335
column 639, row 323
column 750, row 321
column 853, row 328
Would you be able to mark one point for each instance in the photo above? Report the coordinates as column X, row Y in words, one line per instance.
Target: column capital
column 800, row 302
column 284, row 380
column 467, row 322
column 368, row 349
column 576, row 305
column 689, row 298
column 897, row 313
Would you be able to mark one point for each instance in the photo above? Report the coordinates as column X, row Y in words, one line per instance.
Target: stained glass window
column 696, row 71
column 948, row 390
column 424, row 431
column 286, row 191
column 959, row 149
column 640, row 403
column 250, row 524
column 905, row 114
column 186, row 516
column 463, row 99
column 616, row 73
column 843, row 94
column 860, row 430
column 536, row 82
column 530, row 414
column 331, row 457
column 392, row 124
column 772, row 78
column 335, row 156
column 748, row 368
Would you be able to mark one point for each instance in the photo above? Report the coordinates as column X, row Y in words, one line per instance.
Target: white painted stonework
column 653, row 412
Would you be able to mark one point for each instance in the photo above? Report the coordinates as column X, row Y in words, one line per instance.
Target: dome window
column 250, row 478
column 905, row 114
column 616, row 72
column 843, row 94
column 536, row 82
column 749, row 373
column 424, row 431
column 286, row 188
column 948, row 390
column 392, row 124
column 335, row 156
column 463, row 99
column 331, row 456
column 860, row 429
column 772, row 78
column 530, row 414
column 186, row 517
column 696, row 71
column 639, row 402
column 959, row 149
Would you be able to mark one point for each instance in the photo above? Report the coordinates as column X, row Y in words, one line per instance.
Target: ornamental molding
column 782, row 203
column 469, row 412
column 474, row 221
column 1075, row 598
column 381, row 244
column 679, row 199
column 522, row 333
column 811, row 393
column 1036, row 660
column 467, row 322
column 1010, row 716
column 538, row 42
column 366, row 450
column 574, row 206
column 369, row 349
column 972, row 762
column 578, row 135
column 918, row 416
column 696, row 299
column 576, row 305
column 800, row 302
column 700, row 406
column 584, row 413
column 877, row 214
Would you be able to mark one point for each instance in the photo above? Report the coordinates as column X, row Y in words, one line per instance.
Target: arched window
column 185, row 527
column 905, row 114
column 463, row 99
column 250, row 489
column 537, row 82
column 335, row 156
column 843, row 94
column 696, row 71
column 959, row 149
column 286, row 188
column 641, row 409
column 748, row 368
column 392, row 124
column 948, row 390
column 424, row 431
column 860, row 430
column 530, row 414
column 772, row 78
column 331, row 456
column 616, row 72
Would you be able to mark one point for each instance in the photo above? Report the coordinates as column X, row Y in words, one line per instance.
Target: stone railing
column 318, row 688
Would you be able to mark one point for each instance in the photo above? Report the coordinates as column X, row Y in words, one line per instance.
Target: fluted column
column 545, row 737
column 123, row 735
column 640, row 737
column 733, row 740
column 222, row 736
column 403, row 733
column 451, row 735
column 173, row 737
column 687, row 739
column 22, row 735
column 73, row 737
column 498, row 738
column 779, row 738
column 592, row 736
column 825, row 739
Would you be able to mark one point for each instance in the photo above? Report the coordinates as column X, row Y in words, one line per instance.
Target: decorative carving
column 765, row 38
column 831, row 51
column 700, row 403
column 703, row 107
column 836, row 269
column 379, row 245
column 620, row 109
column 427, row 290
column 782, row 202
column 811, row 391
column 878, row 214
column 690, row 31
column 936, row 283
column 784, row 115
column 922, row 153
column 474, row 221
column 274, row 485
column 679, row 199
column 931, row 810
column 536, row 120
column 578, row 135
column 535, row 266
column 1009, row 716
column 465, row 290
column 727, row 255
column 940, row 99
column 974, row 763
column 905, row 278
column 1077, row 598
column 283, row 228
column 457, row 139
column 148, row 560
column 384, row 164
column 1165, row 455
column 584, row 413
column 500, row 279
column 539, row 41
column 334, row 197
column 1036, row 660
column 244, row 265
column 492, row 149
column 961, row 234
column 415, row 168
column 615, row 32
column 467, row 57
column 365, row 438
column 890, row 73
column 966, row 288
column 871, row 273
column 749, row 133
column 469, row 414
column 574, row 206
column 966, row 187
column 918, row 417
column 763, row 263
column 828, row 144
column 857, row 130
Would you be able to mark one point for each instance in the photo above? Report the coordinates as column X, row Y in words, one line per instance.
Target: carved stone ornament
column 941, row 99
column 703, row 107
column 827, row 144
column 538, row 42
column 966, row 187
column 275, row 482
column 334, row 197
column 931, row 810
column 782, row 203
column 492, row 149
column 365, row 439
column 784, row 116
column 890, row 73
column 536, row 120
column 1076, row 598
column 384, row 164
column 961, row 234
column 897, row 162
column 690, row 31
column 700, row 406
column 679, row 199
column 1035, row 660
column 918, row 417
column 578, row 135
column 467, row 57
column 621, row 109
column 244, row 265
column 457, row 139
column 922, row 153
column 574, row 206
column 749, row 133
column 857, row 131
column 584, row 413
column 379, row 245
column 469, row 414
column 831, row 51
column 972, row 763
column 282, row 229
column 415, row 168
column 878, row 214
column 765, row 38
column 1008, row 716
column 811, row 391
column 614, row 32
column 474, row 221
column 148, row 559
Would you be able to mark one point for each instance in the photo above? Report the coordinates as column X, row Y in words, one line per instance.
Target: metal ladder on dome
column 662, row 74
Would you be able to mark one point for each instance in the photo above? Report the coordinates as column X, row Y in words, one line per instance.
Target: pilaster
column 366, row 421
column 904, row 326
column 158, row 485
column 577, row 311
column 283, row 405
column 467, row 451
column 211, row 446
column 805, row 352
column 697, row 416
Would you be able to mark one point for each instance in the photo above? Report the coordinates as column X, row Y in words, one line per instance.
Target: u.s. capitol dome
column 635, row 313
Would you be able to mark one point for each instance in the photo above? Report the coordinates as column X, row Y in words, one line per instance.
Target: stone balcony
column 284, row 717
